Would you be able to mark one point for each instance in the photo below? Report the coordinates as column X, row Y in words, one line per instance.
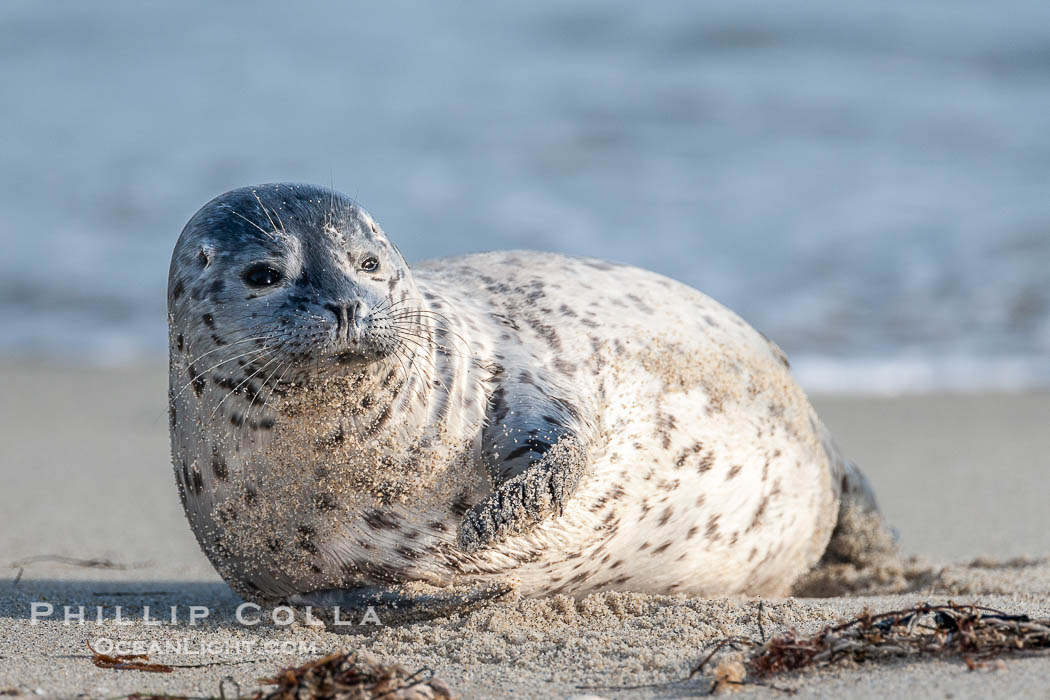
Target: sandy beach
column 92, row 517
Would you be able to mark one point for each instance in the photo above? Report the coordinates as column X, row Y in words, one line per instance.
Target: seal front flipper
column 536, row 453
column 358, row 609
column 520, row 503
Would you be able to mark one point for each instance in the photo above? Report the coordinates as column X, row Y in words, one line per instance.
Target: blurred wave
column 866, row 183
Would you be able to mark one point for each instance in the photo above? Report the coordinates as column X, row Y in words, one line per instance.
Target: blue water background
column 867, row 183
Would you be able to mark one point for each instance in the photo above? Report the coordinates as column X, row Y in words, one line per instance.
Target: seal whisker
column 416, row 353
column 261, row 229
column 265, row 212
column 443, row 320
column 228, row 345
column 404, row 344
column 201, row 375
column 243, row 382
column 290, row 364
column 411, row 365
column 428, row 343
column 384, row 305
column 277, row 213
column 432, row 344
column 421, row 311
column 255, row 397
column 330, row 214
column 418, row 330
column 418, row 377
column 404, row 349
column 407, row 300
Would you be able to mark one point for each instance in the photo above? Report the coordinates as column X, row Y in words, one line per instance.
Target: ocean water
column 867, row 183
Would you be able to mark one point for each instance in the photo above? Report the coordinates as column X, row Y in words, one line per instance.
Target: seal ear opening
column 204, row 256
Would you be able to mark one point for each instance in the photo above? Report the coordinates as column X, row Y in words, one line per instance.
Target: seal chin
column 354, row 356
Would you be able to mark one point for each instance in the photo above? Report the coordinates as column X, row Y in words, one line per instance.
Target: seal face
column 343, row 424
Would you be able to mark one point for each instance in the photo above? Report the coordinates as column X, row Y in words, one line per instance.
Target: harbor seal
column 346, row 428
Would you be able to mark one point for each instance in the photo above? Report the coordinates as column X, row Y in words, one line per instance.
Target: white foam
column 914, row 374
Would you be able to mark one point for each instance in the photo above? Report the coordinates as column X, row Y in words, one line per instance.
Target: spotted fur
column 565, row 424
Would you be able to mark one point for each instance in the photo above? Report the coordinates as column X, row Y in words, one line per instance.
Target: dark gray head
column 285, row 272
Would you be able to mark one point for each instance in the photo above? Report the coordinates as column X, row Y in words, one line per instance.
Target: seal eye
column 262, row 275
column 370, row 264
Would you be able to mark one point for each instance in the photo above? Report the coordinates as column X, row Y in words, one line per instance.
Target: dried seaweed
column 128, row 662
column 977, row 634
column 974, row 632
column 354, row 676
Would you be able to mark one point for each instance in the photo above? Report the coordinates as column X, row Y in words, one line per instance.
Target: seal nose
column 346, row 317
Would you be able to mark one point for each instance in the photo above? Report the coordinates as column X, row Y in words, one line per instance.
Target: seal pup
column 346, row 429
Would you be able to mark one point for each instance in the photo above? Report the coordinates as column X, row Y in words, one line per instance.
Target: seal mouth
column 348, row 357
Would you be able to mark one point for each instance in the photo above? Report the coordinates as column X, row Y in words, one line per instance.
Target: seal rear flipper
column 861, row 536
column 353, row 610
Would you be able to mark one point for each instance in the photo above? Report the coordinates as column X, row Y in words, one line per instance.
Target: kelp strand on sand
column 359, row 676
column 129, row 662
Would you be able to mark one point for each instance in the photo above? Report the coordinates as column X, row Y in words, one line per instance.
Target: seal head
column 304, row 271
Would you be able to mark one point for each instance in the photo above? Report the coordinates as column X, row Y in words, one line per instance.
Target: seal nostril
column 353, row 318
column 340, row 317
column 345, row 317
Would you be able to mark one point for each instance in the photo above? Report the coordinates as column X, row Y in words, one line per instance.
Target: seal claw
column 524, row 500
column 514, row 508
column 342, row 609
